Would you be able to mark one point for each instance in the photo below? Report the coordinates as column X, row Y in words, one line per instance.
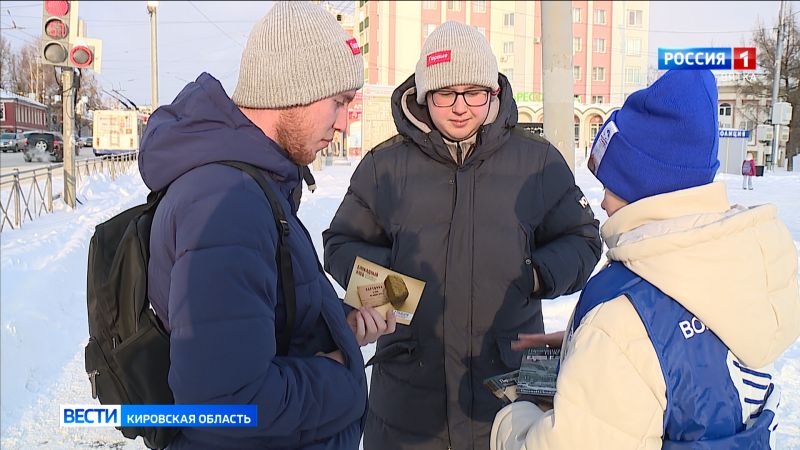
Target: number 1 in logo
column 744, row 58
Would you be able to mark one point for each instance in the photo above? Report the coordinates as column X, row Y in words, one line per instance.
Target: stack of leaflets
column 537, row 372
column 503, row 386
column 535, row 379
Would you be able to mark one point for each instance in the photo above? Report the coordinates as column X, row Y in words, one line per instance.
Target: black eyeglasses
column 445, row 99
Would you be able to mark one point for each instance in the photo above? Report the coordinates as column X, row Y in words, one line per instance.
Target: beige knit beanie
column 297, row 54
column 453, row 54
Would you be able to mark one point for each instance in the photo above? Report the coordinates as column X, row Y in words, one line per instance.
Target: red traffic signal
column 81, row 56
column 56, row 29
column 56, row 7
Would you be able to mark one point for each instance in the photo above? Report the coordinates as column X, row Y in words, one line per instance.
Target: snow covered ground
column 43, row 325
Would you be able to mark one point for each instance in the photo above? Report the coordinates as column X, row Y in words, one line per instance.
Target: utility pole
column 776, row 80
column 152, row 7
column 557, row 78
column 68, row 110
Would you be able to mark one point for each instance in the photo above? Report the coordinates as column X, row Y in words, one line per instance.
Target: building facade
column 19, row 114
column 610, row 42
column 742, row 111
column 609, row 55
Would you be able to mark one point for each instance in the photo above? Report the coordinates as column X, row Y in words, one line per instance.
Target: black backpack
column 127, row 357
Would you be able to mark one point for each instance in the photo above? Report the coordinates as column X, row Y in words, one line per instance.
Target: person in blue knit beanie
column 672, row 344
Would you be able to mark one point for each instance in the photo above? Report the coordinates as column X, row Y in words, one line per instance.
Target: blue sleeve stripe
column 751, row 371
column 756, row 414
column 753, row 402
column 774, row 427
column 755, row 385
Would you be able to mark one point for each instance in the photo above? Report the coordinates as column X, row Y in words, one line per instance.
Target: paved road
column 11, row 161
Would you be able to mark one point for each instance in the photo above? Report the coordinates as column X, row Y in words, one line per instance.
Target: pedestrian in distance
column 748, row 171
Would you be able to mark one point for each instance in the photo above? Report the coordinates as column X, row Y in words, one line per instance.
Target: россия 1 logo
column 709, row 58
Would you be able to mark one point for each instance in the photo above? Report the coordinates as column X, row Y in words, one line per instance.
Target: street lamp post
column 152, row 6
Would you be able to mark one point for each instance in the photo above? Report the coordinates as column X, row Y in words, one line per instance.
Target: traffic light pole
column 776, row 77
column 68, row 103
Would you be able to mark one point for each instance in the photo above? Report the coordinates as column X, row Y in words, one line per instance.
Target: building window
column 598, row 74
column 365, row 48
column 479, row 7
column 633, row 47
column 508, row 47
column 454, row 6
column 577, row 45
column 2, row 111
column 577, row 131
column 429, row 5
column 599, row 45
column 576, row 15
column 509, row 73
column 597, row 99
column 482, row 31
column 634, row 17
column 428, row 29
column 594, row 129
column 599, row 16
column 508, row 20
column 633, row 75
column 362, row 3
column 361, row 26
column 576, row 72
column 725, row 109
column 366, row 23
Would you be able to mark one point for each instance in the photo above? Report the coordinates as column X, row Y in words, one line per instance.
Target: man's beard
column 292, row 132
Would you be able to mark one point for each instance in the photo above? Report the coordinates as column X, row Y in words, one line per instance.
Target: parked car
column 11, row 142
column 85, row 141
column 45, row 146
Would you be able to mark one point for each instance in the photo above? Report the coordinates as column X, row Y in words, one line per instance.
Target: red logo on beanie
column 438, row 57
column 354, row 46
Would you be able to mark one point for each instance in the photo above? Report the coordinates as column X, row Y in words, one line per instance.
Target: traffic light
column 61, row 43
column 85, row 53
column 60, row 19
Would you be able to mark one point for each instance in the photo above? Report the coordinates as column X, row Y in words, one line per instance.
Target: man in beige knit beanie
column 235, row 279
column 299, row 71
column 487, row 214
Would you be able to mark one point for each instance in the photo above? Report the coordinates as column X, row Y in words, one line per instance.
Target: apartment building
column 610, row 42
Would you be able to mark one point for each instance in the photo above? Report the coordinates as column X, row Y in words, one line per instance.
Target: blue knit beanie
column 665, row 138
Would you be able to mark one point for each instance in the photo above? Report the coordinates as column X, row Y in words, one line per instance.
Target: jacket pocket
column 526, row 283
column 397, row 352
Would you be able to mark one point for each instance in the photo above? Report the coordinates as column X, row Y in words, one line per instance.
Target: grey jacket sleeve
column 355, row 229
column 568, row 239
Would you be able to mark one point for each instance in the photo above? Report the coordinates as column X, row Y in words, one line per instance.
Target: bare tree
column 789, row 84
column 6, row 61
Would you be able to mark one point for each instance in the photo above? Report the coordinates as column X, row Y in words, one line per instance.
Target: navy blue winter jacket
column 213, row 281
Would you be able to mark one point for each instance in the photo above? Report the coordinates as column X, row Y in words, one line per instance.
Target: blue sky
column 197, row 36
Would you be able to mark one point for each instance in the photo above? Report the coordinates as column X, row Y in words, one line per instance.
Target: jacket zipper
column 459, row 153
column 454, row 182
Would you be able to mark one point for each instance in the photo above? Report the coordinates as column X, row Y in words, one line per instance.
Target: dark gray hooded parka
column 473, row 232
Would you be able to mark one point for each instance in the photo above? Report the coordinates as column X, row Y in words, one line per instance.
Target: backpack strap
column 284, row 258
